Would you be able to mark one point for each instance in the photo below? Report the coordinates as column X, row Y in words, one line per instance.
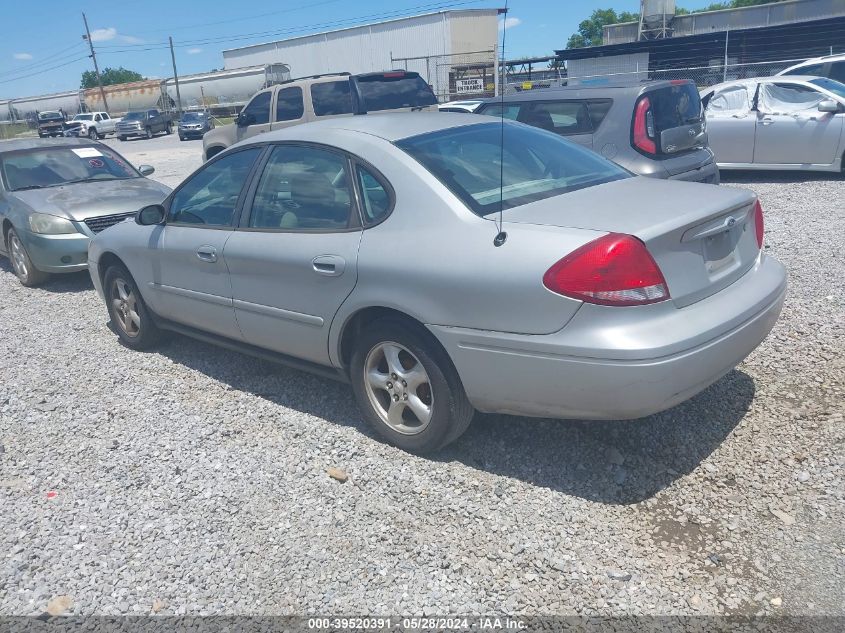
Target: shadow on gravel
column 608, row 462
column 66, row 282
column 754, row 176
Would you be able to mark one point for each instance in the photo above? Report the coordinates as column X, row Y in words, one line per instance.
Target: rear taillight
column 614, row 270
column 758, row 223
column 644, row 127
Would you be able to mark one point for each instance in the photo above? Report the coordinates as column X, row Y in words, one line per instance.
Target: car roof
column 34, row 143
column 764, row 80
column 580, row 92
column 388, row 126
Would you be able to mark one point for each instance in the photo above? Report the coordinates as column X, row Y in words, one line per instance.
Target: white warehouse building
column 455, row 51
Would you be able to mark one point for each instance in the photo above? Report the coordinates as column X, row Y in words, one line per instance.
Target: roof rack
column 287, row 81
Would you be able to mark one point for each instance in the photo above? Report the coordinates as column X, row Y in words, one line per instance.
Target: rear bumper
column 619, row 363
column 708, row 174
column 57, row 253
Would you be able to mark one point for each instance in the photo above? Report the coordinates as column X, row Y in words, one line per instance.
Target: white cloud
column 509, row 23
column 131, row 39
column 103, row 35
column 22, row 56
column 194, row 51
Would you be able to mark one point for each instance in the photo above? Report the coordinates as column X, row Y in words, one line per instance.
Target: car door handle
column 767, row 121
column 207, row 254
column 329, row 265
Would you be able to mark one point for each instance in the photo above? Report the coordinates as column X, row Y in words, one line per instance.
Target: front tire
column 168, row 129
column 121, row 138
column 25, row 270
column 128, row 312
column 407, row 387
column 92, row 134
column 148, row 132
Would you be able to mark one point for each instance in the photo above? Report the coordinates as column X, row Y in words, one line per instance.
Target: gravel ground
column 194, row 480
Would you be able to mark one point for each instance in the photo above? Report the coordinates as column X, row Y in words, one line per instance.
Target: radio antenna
column 501, row 236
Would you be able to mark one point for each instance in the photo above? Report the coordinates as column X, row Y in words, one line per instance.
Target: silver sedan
column 789, row 123
column 385, row 250
column 57, row 194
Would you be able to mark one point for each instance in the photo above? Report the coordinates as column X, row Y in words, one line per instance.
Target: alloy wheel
column 18, row 256
column 398, row 388
column 125, row 307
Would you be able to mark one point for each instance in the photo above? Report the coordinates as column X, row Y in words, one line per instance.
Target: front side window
column 488, row 162
column 302, row 188
column 289, row 105
column 54, row 166
column 259, row 108
column 787, row 98
column 331, row 97
column 209, row 198
column 502, row 110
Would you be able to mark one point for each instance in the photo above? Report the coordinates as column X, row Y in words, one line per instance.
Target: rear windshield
column 675, row 106
column 193, row 116
column 536, row 165
column 50, row 116
column 392, row 91
column 54, row 166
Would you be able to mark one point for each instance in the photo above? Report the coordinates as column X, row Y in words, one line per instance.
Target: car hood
column 91, row 199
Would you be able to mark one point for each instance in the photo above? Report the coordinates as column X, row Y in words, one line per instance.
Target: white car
column 787, row 122
column 469, row 105
column 830, row 66
column 91, row 124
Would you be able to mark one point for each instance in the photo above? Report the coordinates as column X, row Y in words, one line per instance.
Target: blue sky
column 42, row 50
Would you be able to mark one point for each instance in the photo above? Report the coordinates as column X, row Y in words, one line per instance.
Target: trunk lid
column 675, row 119
column 702, row 237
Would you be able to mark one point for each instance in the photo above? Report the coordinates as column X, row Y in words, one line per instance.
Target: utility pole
column 176, row 79
column 87, row 36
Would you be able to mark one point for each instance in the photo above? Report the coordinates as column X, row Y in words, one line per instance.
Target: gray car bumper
column 606, row 364
column 707, row 174
column 57, row 253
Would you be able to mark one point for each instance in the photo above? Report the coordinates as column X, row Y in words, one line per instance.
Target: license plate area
column 721, row 253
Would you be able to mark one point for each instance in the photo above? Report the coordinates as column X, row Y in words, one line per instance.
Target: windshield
column 391, row 91
column 831, row 85
column 193, row 116
column 134, row 116
column 50, row 116
column 537, row 164
column 84, row 117
column 53, row 166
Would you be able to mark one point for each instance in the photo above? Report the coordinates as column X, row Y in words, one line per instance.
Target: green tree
column 110, row 76
column 590, row 30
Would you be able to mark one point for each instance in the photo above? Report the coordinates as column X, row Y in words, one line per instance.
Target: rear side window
column 561, row 117
column 289, row 104
column 375, row 197
column 331, row 97
column 598, row 110
column 394, row 90
column 505, row 110
column 675, row 106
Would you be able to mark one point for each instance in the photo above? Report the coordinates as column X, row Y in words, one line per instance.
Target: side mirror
column 146, row 170
column 150, row 215
column 828, row 105
column 244, row 119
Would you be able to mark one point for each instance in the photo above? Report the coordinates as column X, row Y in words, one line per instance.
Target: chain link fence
column 456, row 76
column 703, row 76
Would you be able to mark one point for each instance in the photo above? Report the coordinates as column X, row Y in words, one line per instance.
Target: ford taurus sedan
column 56, row 195
column 777, row 123
column 387, row 251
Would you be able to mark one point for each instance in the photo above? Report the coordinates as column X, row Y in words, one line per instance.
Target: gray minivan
column 654, row 129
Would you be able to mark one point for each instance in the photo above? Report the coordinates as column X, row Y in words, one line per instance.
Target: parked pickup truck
column 321, row 97
column 51, row 123
column 91, row 124
column 144, row 123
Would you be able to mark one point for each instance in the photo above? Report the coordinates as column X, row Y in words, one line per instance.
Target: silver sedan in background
column 57, row 194
column 789, row 122
column 389, row 251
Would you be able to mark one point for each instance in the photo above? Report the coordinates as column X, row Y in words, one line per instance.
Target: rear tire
column 128, row 312
column 25, row 270
column 407, row 387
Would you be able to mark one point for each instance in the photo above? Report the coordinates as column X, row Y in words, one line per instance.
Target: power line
column 40, row 62
column 41, row 72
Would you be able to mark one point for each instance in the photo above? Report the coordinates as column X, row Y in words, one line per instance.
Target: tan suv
column 322, row 96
